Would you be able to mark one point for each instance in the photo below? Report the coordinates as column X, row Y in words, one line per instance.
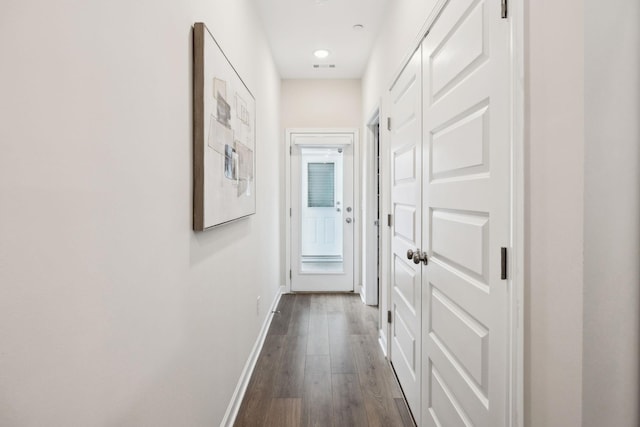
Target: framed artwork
column 224, row 137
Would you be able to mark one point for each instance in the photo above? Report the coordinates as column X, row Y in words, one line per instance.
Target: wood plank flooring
column 321, row 365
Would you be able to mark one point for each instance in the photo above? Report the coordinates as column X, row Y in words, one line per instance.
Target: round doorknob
column 410, row 254
column 420, row 256
column 348, row 220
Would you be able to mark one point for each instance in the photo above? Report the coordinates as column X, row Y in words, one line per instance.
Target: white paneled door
column 406, row 291
column 322, row 211
column 451, row 205
column 466, row 217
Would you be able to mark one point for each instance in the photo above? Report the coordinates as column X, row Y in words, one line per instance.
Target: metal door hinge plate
column 504, row 9
column 389, row 316
column 503, row 263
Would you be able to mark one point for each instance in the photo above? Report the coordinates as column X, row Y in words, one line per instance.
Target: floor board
column 318, row 342
column 289, row 379
column 378, row 399
column 299, row 320
column 321, row 365
column 348, row 404
column 284, row 412
column 317, row 405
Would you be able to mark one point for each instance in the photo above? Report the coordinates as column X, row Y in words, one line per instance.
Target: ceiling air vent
column 324, row 65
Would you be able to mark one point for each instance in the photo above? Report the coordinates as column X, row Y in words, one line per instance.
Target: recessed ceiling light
column 321, row 53
column 358, row 27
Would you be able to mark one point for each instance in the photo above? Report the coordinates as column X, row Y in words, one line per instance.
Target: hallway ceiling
column 296, row 28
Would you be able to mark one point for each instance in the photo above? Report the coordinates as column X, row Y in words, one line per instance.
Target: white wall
column 554, row 206
column 321, row 103
column 112, row 311
column 398, row 37
column 612, row 214
column 554, row 192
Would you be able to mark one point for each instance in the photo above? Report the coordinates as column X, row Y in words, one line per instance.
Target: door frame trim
column 357, row 213
column 370, row 273
column 518, row 213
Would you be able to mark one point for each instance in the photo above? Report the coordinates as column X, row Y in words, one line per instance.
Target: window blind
column 321, row 185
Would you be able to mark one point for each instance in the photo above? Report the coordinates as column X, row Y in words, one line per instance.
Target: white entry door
column 406, row 188
column 466, row 222
column 322, row 212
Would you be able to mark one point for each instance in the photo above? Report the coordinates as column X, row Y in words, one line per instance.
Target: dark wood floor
column 321, row 365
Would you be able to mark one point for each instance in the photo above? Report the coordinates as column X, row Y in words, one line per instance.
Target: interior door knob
column 348, row 220
column 410, row 254
column 420, row 256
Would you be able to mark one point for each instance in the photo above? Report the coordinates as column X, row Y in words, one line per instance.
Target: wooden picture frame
column 223, row 137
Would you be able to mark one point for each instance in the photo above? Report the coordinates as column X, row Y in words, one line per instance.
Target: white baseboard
column 382, row 340
column 367, row 296
column 236, row 400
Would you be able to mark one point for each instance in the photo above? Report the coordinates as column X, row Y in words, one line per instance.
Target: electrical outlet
column 258, row 306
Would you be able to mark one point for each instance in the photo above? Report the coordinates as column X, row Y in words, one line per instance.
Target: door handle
column 420, row 256
column 410, row 254
column 348, row 220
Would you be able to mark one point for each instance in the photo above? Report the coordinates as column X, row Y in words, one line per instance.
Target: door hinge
column 503, row 263
column 388, row 316
column 388, row 123
column 290, row 275
column 290, row 211
column 389, row 220
column 504, row 9
column 290, row 150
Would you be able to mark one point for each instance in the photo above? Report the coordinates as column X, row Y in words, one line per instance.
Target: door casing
column 357, row 213
column 370, row 271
